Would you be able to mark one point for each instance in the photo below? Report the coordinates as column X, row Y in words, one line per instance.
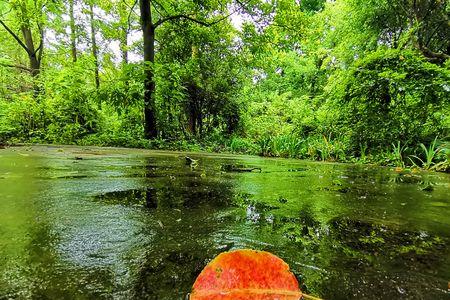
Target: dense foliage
column 346, row 80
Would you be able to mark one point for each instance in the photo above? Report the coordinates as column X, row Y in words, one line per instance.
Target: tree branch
column 162, row 6
column 41, row 44
column 129, row 15
column 433, row 56
column 156, row 8
column 4, row 14
column 15, row 37
column 244, row 6
column 20, row 67
column 177, row 17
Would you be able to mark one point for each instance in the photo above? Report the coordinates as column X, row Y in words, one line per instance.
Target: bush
column 21, row 118
column 388, row 96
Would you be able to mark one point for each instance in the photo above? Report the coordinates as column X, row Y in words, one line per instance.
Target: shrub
column 390, row 95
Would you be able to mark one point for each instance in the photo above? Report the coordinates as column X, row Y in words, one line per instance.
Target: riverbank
column 434, row 157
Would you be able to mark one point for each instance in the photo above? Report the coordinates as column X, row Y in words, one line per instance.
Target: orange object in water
column 246, row 274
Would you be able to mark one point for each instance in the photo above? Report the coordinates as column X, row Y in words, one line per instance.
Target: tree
column 73, row 33
column 124, row 28
column 150, row 21
column 420, row 24
column 94, row 44
column 199, row 70
column 29, row 19
column 387, row 96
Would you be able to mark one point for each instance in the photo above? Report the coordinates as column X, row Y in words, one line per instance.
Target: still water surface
column 96, row 223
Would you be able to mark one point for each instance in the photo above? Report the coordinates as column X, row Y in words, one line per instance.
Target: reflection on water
column 101, row 223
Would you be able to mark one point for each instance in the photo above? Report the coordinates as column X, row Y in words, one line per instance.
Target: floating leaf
column 246, row 274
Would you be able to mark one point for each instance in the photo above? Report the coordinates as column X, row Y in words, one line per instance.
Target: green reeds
column 429, row 155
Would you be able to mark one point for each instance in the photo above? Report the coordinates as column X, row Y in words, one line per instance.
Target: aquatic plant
column 429, row 153
column 240, row 145
column 398, row 151
column 444, row 165
column 287, row 146
column 326, row 148
column 264, row 144
column 363, row 152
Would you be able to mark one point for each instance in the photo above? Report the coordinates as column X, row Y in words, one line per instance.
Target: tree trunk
column 192, row 119
column 148, row 31
column 124, row 46
column 200, row 123
column 73, row 41
column 34, row 56
column 124, row 52
column 124, row 29
column 35, row 63
column 94, row 46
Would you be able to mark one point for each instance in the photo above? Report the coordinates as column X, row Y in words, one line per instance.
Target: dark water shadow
column 353, row 257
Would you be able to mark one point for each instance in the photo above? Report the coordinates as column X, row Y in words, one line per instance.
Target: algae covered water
column 96, row 223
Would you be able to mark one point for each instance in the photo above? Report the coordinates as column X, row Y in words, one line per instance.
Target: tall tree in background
column 73, row 32
column 199, row 70
column 124, row 28
column 94, row 45
column 150, row 22
column 420, row 24
column 28, row 18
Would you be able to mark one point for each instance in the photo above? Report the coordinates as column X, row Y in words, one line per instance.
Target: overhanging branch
column 41, row 42
column 162, row 6
column 129, row 15
column 186, row 17
column 243, row 5
column 41, row 45
column 433, row 55
column 16, row 37
column 430, row 55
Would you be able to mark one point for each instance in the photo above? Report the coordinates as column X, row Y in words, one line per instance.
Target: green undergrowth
column 434, row 156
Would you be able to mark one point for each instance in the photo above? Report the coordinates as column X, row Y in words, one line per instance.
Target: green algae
column 121, row 223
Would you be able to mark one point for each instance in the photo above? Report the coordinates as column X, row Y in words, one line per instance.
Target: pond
column 101, row 223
